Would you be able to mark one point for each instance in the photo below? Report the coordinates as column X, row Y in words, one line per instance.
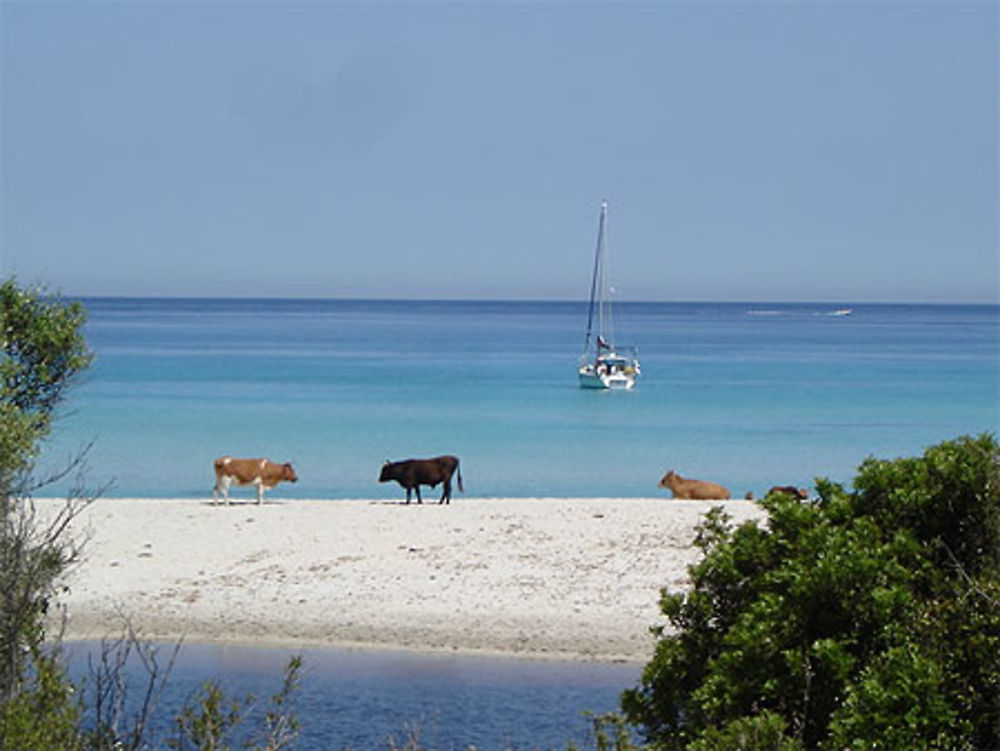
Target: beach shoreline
column 552, row 578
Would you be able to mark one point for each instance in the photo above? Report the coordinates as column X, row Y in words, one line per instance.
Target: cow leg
column 446, row 492
column 260, row 491
column 417, row 488
column 224, row 482
column 408, row 489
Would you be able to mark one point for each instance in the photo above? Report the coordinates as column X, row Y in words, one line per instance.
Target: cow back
column 245, row 471
column 411, row 472
column 685, row 488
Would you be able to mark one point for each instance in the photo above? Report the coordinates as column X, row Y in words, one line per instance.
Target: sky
column 749, row 151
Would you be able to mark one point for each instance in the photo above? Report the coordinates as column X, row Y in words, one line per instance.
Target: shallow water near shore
column 747, row 395
column 374, row 699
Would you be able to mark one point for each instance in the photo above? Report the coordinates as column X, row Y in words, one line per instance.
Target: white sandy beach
column 560, row 578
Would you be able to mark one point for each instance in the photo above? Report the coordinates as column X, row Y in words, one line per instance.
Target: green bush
column 43, row 716
column 42, row 349
column 867, row 619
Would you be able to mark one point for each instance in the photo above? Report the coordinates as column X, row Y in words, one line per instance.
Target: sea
column 749, row 395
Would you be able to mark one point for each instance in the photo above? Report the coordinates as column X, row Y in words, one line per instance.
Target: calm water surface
column 371, row 700
column 749, row 395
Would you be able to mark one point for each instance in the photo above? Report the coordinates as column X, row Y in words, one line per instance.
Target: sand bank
column 566, row 578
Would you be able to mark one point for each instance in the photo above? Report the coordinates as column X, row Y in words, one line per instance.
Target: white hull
column 591, row 380
column 610, row 371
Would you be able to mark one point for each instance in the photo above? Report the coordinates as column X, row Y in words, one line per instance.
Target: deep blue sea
column 749, row 395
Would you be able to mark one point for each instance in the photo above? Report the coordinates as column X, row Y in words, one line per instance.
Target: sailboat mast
column 596, row 282
column 602, row 304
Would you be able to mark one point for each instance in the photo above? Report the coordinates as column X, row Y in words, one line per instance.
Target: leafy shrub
column 867, row 619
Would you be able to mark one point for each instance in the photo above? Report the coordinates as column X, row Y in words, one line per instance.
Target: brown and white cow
column 698, row 490
column 412, row 473
column 260, row 472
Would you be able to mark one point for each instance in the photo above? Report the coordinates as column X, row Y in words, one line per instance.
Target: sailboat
column 603, row 365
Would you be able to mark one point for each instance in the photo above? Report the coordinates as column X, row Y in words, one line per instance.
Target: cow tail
column 458, row 467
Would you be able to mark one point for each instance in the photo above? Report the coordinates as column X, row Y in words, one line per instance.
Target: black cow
column 413, row 473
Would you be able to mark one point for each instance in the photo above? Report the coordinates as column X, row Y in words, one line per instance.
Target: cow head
column 384, row 475
column 667, row 479
column 287, row 473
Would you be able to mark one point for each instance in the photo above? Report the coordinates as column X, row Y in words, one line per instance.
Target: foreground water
column 747, row 395
column 372, row 700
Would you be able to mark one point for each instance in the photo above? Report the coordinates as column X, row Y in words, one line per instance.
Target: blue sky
column 751, row 151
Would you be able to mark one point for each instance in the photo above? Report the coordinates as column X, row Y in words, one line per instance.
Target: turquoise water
column 749, row 395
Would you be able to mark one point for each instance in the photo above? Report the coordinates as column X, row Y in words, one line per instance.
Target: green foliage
column 899, row 701
column 19, row 436
column 870, row 618
column 611, row 733
column 44, row 715
column 211, row 722
column 42, row 347
column 763, row 732
column 207, row 724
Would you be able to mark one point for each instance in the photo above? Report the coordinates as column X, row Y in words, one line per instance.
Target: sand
column 541, row 578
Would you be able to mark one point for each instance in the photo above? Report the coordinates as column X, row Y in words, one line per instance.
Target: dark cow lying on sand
column 260, row 472
column 800, row 493
column 412, row 473
column 697, row 490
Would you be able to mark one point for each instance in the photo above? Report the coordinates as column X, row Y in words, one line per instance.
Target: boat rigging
column 604, row 366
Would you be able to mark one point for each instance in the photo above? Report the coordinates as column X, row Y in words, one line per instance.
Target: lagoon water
column 748, row 395
column 376, row 700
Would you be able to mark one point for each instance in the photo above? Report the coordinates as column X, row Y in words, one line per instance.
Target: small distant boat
column 842, row 312
column 603, row 365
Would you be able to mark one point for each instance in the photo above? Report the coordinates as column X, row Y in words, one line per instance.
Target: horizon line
column 554, row 300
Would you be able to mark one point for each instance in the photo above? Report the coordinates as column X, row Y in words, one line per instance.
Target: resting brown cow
column 412, row 473
column 260, row 472
column 800, row 493
column 698, row 490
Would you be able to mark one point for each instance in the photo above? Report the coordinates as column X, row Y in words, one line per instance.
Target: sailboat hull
column 609, row 371
column 591, row 380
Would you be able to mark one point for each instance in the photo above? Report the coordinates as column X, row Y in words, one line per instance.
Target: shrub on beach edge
column 869, row 618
